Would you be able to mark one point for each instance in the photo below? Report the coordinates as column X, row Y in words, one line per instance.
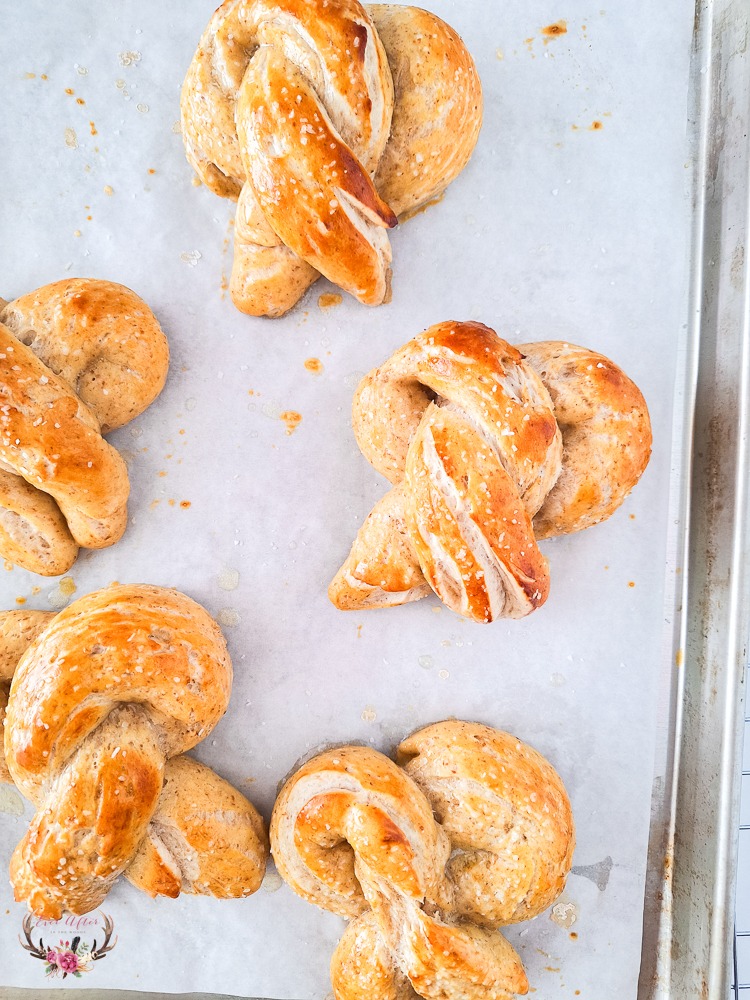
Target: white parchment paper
column 559, row 228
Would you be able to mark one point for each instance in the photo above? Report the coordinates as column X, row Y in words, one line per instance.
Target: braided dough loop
column 489, row 447
column 82, row 357
column 358, row 835
column 111, row 690
column 101, row 338
column 506, row 813
column 205, row 838
column 606, row 435
column 288, row 105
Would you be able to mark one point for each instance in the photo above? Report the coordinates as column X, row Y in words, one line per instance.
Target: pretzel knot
column 110, row 692
column 473, row 830
column 490, row 448
column 326, row 119
column 78, row 358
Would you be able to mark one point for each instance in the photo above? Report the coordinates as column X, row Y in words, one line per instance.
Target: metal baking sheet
column 690, row 904
column 571, row 221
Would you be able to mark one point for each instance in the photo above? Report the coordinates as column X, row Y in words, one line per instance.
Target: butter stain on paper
column 11, row 802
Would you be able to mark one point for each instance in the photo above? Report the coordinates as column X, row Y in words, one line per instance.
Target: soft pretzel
column 489, row 447
column 326, row 120
column 103, row 704
column 78, row 358
column 472, row 831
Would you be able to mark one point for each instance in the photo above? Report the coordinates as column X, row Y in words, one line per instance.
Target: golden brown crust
column 33, row 532
column 344, row 802
column 18, row 629
column 99, row 337
column 81, row 357
column 312, row 189
column 274, row 275
column 288, row 105
column 216, row 68
column 437, row 111
column 606, row 435
column 111, row 689
column 204, row 838
column 479, row 501
column 473, row 831
column 489, row 447
column 382, row 567
column 459, row 418
column 141, row 644
column 362, row 965
column 51, row 439
column 527, row 848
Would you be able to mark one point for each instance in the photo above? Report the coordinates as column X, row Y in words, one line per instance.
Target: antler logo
column 73, row 956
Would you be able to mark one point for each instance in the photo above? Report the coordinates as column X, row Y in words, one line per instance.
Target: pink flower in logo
column 67, row 961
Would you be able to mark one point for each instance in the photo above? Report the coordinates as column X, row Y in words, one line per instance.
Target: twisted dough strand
column 110, row 692
column 489, row 447
column 50, row 438
column 473, row 830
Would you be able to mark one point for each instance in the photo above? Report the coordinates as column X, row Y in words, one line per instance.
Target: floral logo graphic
column 74, row 956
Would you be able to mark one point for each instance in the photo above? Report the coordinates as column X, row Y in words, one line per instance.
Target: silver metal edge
column 692, row 866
